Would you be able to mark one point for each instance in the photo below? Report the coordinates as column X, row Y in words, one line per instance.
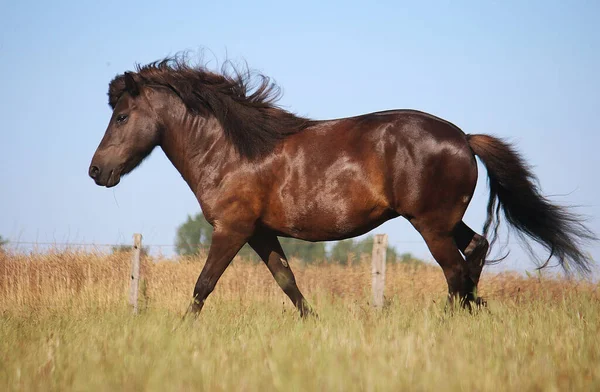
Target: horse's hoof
column 480, row 302
column 306, row 314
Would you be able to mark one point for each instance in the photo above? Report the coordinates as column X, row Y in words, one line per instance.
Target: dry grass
column 66, row 326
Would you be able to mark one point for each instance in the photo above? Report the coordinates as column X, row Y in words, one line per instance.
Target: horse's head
column 132, row 133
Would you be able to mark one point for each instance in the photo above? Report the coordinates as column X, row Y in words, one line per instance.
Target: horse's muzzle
column 107, row 178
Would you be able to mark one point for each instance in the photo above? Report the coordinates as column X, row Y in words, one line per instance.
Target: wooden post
column 135, row 272
column 378, row 268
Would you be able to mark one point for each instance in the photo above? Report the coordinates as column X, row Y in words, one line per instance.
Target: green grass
column 253, row 344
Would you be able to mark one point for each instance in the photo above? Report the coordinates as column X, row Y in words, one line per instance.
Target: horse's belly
column 321, row 218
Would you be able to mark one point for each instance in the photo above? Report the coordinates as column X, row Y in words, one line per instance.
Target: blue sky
column 527, row 71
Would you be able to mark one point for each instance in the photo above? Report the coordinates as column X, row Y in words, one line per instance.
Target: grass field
column 65, row 325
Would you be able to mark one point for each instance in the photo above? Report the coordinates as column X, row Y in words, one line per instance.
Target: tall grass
column 66, row 325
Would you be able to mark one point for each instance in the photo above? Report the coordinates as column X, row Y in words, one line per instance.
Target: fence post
column 135, row 272
column 378, row 268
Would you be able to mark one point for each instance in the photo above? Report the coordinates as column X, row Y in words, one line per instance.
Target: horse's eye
column 121, row 118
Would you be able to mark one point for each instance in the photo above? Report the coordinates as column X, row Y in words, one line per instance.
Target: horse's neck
column 197, row 147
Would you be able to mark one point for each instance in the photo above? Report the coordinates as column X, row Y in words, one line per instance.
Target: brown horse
column 260, row 172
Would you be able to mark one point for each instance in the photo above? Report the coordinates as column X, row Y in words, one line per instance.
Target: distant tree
column 408, row 258
column 344, row 251
column 3, row 242
column 196, row 233
column 193, row 235
column 304, row 250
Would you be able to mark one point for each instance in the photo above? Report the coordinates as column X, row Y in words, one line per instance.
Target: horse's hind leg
column 473, row 246
column 443, row 248
column 267, row 246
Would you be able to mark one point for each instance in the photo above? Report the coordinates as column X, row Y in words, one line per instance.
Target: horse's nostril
column 94, row 171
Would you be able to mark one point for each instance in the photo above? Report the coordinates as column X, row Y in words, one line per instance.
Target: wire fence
column 32, row 247
column 169, row 251
column 111, row 247
column 418, row 250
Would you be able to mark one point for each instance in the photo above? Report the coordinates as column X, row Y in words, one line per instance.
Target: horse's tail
column 514, row 188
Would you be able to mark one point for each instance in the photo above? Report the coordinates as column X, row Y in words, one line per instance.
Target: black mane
column 251, row 120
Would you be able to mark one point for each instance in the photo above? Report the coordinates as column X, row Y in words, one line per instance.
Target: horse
column 259, row 172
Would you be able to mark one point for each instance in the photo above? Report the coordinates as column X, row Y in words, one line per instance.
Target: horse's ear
column 131, row 85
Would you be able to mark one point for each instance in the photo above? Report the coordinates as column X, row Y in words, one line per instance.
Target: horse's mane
column 242, row 101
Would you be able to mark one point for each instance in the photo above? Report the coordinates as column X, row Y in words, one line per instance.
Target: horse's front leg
column 226, row 242
column 267, row 246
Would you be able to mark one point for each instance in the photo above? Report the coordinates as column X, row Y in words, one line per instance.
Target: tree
column 2, row 242
column 344, row 251
column 196, row 233
column 304, row 250
column 408, row 258
column 193, row 235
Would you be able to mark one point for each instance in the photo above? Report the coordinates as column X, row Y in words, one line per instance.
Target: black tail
column 513, row 187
